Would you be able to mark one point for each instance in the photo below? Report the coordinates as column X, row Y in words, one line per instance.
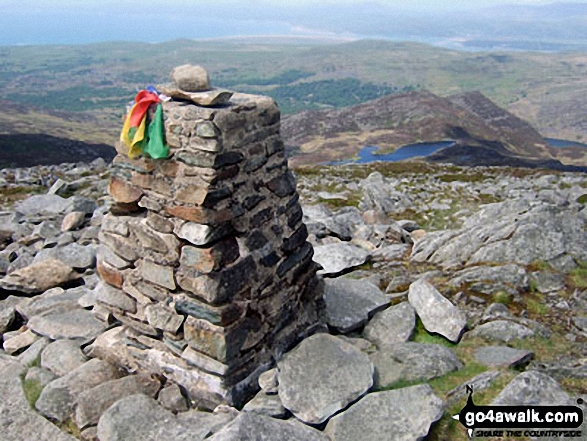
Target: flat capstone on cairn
column 203, row 257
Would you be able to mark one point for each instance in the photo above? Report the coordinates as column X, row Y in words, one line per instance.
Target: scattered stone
column 268, row 405
column 20, row 341
column 92, row 403
column 73, row 221
column 437, row 313
column 67, row 325
column 39, row 277
column 252, row 426
column 339, row 257
column 72, row 255
column 7, row 316
column 53, row 300
column 321, row 376
column 139, row 417
column 268, row 381
column 394, row 325
column 349, row 303
column 501, row 330
column 58, row 399
column 172, row 399
column 534, row 389
column 497, row 356
column 412, row 361
column 62, row 356
column 17, row 420
column 33, row 353
column 403, row 414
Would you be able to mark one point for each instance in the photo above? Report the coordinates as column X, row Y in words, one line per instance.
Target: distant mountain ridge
column 395, row 120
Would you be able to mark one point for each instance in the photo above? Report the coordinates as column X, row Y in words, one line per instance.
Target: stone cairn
column 203, row 257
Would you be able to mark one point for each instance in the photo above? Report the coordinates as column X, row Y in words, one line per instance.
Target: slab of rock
column 532, row 388
column 502, row 331
column 339, row 257
column 513, row 275
column 92, row 403
column 18, row 422
column 394, row 325
column 349, row 303
column 52, row 205
column 7, row 316
column 251, row 426
column 172, row 399
column 33, row 352
column 495, row 356
column 322, row 375
column 73, row 255
column 58, row 399
column 268, row 405
column 78, row 323
column 20, row 341
column 139, row 417
column 402, row 415
column 437, row 313
column 39, row 277
column 54, row 300
column 413, row 362
column 73, row 221
column 63, row 356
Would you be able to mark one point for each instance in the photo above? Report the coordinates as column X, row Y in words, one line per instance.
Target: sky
column 74, row 22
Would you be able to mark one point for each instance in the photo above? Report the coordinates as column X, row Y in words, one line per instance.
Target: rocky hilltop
column 396, row 120
column 435, row 277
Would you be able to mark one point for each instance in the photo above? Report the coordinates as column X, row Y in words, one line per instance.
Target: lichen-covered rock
column 437, row 313
column 394, row 325
column 350, row 303
column 251, row 426
column 140, row 417
column 401, row 415
column 39, row 277
column 321, row 376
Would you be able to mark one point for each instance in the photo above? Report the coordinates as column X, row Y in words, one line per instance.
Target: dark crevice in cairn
column 203, row 257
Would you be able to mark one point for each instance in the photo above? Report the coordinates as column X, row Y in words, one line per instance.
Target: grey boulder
column 62, row 356
column 338, row 257
column 437, row 313
column 58, row 399
column 322, row 375
column 139, row 417
column 532, row 388
column 502, row 331
column 39, row 277
column 250, row 426
column 396, row 415
column 394, row 325
column 18, row 421
column 349, row 303
column 412, row 361
column 78, row 323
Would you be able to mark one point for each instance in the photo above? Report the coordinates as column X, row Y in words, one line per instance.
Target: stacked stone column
column 203, row 258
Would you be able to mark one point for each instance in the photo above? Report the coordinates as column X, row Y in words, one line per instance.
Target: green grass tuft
column 32, row 391
column 421, row 335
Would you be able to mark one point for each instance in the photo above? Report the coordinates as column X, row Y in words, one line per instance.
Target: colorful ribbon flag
column 141, row 135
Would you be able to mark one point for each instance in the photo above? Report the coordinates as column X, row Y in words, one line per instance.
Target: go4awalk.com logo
column 520, row 421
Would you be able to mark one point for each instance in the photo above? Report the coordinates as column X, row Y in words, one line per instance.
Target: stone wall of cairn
column 203, row 257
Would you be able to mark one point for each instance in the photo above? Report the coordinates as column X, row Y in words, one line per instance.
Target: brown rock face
column 210, row 274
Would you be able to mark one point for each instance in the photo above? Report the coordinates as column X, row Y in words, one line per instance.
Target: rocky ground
column 435, row 277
